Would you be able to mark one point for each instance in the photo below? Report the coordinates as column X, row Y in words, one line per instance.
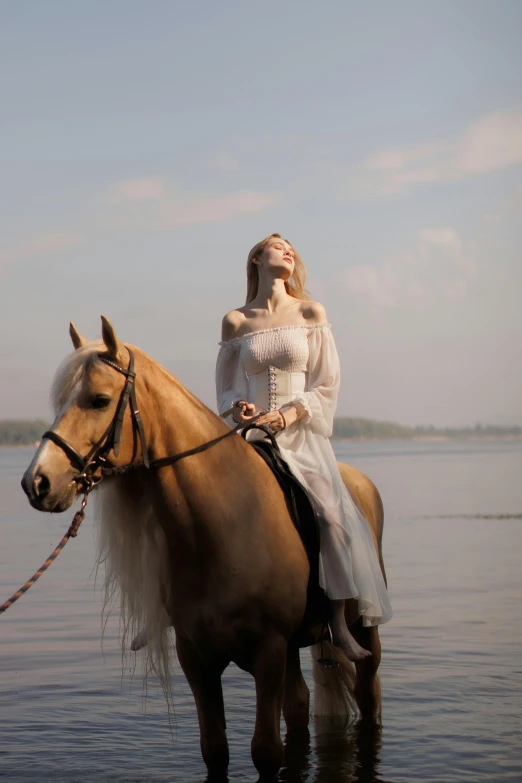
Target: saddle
column 304, row 516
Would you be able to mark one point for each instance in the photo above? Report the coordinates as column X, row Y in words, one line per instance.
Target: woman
column 278, row 356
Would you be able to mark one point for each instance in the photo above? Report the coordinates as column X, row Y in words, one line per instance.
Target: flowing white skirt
column 349, row 566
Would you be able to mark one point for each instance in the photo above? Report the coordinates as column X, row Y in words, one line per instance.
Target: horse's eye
column 100, row 401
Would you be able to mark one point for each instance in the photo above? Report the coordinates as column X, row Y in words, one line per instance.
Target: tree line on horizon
column 372, row 429
column 16, row 432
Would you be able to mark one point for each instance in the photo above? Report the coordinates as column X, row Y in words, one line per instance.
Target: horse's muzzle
column 38, row 488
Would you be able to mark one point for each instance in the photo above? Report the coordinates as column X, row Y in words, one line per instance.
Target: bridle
column 88, row 465
column 98, row 456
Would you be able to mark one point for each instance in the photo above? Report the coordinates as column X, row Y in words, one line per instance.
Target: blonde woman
column 278, row 357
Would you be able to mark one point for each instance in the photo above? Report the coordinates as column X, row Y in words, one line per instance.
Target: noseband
column 111, row 438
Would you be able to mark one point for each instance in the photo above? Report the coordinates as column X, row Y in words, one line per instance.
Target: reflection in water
column 343, row 753
column 368, row 741
column 296, row 761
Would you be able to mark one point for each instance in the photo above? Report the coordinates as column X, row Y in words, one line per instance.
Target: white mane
column 133, row 551
column 131, row 542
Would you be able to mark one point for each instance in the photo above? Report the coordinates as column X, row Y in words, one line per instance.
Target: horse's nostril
column 41, row 486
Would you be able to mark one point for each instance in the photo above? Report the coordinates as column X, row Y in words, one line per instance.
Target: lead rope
column 77, row 521
column 71, row 533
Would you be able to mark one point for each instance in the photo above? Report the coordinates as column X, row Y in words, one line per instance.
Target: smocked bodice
column 284, row 347
column 275, row 362
column 281, row 365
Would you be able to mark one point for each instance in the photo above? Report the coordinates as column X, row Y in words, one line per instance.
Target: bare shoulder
column 314, row 313
column 231, row 324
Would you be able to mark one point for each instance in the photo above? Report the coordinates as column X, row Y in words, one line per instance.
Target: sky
column 146, row 147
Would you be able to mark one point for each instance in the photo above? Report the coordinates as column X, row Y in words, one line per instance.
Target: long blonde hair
column 294, row 286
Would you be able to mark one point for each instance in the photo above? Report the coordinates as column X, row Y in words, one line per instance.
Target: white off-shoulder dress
column 271, row 368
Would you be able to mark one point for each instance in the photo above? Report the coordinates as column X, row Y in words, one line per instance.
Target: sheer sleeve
column 231, row 379
column 320, row 398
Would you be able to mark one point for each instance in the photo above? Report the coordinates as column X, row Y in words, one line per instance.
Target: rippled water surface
column 452, row 655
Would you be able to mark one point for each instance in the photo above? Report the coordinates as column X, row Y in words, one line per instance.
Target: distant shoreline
column 427, row 438
column 360, row 439
column 17, row 446
column 23, row 433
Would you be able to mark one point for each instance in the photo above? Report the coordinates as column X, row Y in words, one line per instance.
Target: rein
column 98, row 458
column 111, row 438
column 163, row 462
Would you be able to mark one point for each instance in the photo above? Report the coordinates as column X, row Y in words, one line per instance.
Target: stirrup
column 327, row 663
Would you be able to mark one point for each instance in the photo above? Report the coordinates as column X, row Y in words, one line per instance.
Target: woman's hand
column 278, row 420
column 243, row 412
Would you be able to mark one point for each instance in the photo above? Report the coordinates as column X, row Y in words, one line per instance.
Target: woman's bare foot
column 352, row 650
column 342, row 636
column 139, row 641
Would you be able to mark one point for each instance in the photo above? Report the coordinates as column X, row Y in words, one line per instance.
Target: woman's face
column 278, row 254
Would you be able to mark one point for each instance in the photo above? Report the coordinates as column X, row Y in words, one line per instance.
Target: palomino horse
column 204, row 543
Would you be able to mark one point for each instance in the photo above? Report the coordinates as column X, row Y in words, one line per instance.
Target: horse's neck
column 176, row 419
column 211, row 506
column 185, row 495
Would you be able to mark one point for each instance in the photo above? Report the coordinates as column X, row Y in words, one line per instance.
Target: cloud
column 151, row 204
column 436, row 269
column 376, row 285
column 492, row 143
column 211, row 209
column 225, row 160
column 507, row 208
column 443, row 237
column 39, row 245
column 146, row 204
column 136, row 190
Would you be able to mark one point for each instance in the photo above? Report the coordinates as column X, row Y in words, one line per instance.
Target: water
column 452, row 655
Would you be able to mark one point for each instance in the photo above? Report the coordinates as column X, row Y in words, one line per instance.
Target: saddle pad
column 304, row 517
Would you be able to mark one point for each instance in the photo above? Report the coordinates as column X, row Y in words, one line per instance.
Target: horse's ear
column 110, row 338
column 77, row 339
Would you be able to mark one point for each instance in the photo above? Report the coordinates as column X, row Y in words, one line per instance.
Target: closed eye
column 100, row 401
column 287, row 252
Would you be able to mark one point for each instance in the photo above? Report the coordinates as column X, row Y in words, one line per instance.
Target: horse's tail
column 334, row 689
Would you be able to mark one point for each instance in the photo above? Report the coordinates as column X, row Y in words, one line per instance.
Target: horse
column 196, row 533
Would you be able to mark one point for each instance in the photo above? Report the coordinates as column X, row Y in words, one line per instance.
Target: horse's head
column 88, row 394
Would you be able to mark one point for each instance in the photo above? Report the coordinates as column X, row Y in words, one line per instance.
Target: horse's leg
column 296, row 697
column 269, row 674
column 204, row 678
column 368, row 688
